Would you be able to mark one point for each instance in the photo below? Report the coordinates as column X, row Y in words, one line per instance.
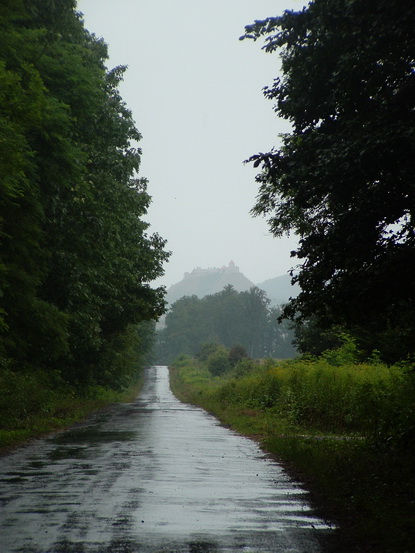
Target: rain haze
column 195, row 91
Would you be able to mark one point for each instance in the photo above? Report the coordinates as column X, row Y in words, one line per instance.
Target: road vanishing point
column 152, row 476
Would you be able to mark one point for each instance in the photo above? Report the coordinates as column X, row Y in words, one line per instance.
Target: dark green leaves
column 77, row 258
column 345, row 172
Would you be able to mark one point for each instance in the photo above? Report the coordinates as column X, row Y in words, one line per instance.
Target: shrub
column 218, row 361
column 206, row 349
column 237, row 353
column 25, row 395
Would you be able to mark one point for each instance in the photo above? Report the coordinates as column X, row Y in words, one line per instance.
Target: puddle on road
column 202, row 547
column 67, row 453
column 80, row 443
column 94, row 436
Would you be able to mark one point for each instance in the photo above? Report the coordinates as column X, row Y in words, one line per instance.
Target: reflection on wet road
column 151, row 476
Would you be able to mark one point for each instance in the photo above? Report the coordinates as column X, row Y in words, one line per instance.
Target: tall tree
column 188, row 324
column 229, row 318
column 254, row 321
column 30, row 325
column 77, row 257
column 343, row 179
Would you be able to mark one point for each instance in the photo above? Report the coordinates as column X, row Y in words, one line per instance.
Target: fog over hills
column 279, row 289
column 203, row 282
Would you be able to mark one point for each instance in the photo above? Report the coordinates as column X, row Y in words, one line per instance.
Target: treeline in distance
column 229, row 318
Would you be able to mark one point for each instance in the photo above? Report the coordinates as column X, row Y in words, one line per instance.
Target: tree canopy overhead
column 343, row 178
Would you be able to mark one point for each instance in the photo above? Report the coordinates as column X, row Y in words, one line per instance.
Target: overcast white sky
column 195, row 91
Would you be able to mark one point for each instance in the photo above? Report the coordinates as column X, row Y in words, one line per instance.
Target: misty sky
column 195, row 92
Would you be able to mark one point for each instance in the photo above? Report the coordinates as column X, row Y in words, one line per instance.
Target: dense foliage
column 344, row 426
column 343, row 179
column 230, row 318
column 76, row 259
column 334, row 393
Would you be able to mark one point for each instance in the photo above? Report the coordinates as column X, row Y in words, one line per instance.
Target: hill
column 203, row 282
column 279, row 289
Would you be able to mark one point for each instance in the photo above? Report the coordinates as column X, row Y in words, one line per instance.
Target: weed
column 37, row 403
column 346, row 429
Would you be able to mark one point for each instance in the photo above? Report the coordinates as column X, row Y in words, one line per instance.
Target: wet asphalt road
column 151, row 476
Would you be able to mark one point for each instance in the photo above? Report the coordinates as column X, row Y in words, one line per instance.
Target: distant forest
column 228, row 318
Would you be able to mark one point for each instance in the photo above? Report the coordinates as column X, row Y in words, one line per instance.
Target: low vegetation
column 344, row 427
column 33, row 404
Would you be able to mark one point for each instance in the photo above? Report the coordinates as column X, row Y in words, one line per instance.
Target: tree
column 342, row 179
column 186, row 327
column 227, row 313
column 312, row 339
column 77, row 259
column 228, row 318
column 279, row 338
column 256, row 309
column 31, row 327
column 236, row 354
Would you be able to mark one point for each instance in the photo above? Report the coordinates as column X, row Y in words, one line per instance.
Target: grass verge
column 363, row 485
column 28, row 412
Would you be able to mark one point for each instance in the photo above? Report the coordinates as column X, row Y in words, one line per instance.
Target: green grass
column 32, row 405
column 346, row 431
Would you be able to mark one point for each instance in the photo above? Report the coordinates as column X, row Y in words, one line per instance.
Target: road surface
column 153, row 476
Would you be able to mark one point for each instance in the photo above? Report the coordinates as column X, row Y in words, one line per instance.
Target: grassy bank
column 345, row 429
column 35, row 404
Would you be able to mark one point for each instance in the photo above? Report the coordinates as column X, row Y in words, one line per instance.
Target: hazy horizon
column 224, row 266
column 195, row 91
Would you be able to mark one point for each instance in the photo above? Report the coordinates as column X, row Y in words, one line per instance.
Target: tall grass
column 346, row 428
column 369, row 399
column 360, row 398
column 36, row 402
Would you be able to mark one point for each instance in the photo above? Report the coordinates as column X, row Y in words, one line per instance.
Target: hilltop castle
column 231, row 268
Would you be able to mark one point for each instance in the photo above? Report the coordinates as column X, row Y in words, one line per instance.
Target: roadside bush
column 237, row 354
column 190, row 371
column 25, row 394
column 243, row 368
column 346, row 353
column 368, row 399
column 361, row 398
column 218, row 361
column 205, row 350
